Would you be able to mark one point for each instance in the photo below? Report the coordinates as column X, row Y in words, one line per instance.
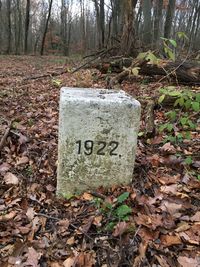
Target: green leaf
column 123, row 210
column 135, row 71
column 197, row 97
column 142, row 55
column 174, row 93
column 140, row 134
column 56, row 82
column 198, row 176
column 188, row 160
column 183, row 121
column 182, row 35
column 152, row 58
column 195, row 106
column 173, row 42
column 165, row 39
column 170, row 127
column 181, row 101
column 110, row 226
column 171, row 55
column 123, row 197
column 187, row 104
column 187, row 135
column 161, row 98
column 191, row 124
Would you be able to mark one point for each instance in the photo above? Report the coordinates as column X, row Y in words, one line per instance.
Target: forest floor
column 155, row 221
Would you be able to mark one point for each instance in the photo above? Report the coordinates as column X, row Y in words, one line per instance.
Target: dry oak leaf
column 195, row 217
column 69, row 262
column 171, row 207
column 189, row 262
column 170, row 240
column 169, row 189
column 87, row 196
column 85, row 259
column 30, row 213
column 32, row 257
column 150, row 221
column 120, row 228
column 8, row 216
column 167, row 180
column 168, row 148
column 22, row 160
column 10, row 178
column 4, row 167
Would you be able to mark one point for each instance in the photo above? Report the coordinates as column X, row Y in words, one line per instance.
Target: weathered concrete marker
column 97, row 139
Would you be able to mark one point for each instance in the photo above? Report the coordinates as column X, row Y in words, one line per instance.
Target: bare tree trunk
column 46, row 28
column 27, row 20
column 147, row 34
column 128, row 35
column 1, row 26
column 169, row 18
column 192, row 31
column 9, row 27
column 157, row 21
column 100, row 16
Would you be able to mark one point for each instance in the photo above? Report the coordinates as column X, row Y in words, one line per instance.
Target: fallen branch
column 3, row 140
column 53, row 74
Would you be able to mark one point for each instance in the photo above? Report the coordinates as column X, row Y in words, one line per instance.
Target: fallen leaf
column 168, row 148
column 4, row 167
column 22, row 160
column 167, row 180
column 170, row 240
column 196, row 217
column 30, row 213
column 188, row 262
column 70, row 241
column 171, row 207
column 120, row 228
column 69, row 262
column 10, row 178
column 23, row 139
column 169, row 189
column 87, row 196
column 32, row 257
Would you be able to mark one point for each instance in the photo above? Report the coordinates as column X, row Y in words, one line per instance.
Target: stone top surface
column 102, row 95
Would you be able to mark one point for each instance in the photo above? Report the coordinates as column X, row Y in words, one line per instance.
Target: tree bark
column 9, row 27
column 128, row 35
column 147, row 33
column 169, row 18
column 27, row 20
column 46, row 28
column 157, row 21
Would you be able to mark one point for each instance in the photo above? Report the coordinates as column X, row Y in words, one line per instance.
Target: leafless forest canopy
column 67, row 27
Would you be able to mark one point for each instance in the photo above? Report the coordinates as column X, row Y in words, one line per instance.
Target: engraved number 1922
column 87, row 147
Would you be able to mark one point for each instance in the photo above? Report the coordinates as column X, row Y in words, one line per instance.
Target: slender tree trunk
column 46, row 28
column 146, row 8
column 100, row 17
column 169, row 18
column 1, row 26
column 27, row 20
column 102, row 22
column 9, row 27
column 157, row 21
column 192, row 31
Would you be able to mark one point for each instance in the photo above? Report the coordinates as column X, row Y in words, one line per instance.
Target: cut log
column 184, row 72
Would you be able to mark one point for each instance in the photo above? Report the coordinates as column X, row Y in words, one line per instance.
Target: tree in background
column 82, row 26
column 27, row 20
